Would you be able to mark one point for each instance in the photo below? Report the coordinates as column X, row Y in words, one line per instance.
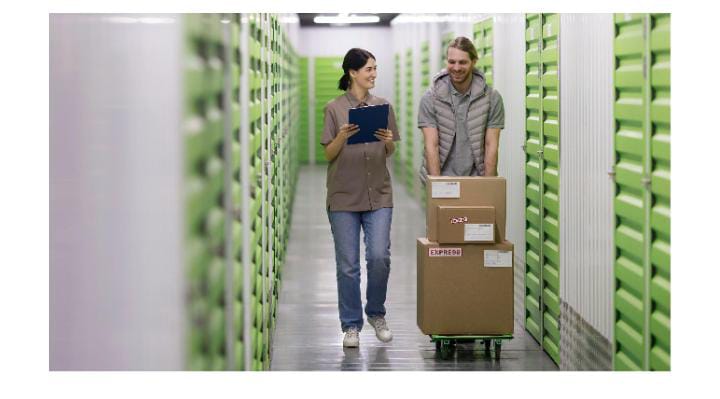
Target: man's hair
column 464, row 44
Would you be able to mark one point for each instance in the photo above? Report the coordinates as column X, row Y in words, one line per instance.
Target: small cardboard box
column 467, row 225
column 465, row 191
column 465, row 289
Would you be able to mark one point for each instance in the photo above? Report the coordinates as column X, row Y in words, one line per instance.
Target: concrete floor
column 308, row 335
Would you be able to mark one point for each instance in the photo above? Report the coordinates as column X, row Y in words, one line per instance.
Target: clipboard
column 369, row 119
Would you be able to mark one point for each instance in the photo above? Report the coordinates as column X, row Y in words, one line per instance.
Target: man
column 461, row 118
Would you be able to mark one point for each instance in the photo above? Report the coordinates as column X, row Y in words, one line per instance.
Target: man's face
column 459, row 65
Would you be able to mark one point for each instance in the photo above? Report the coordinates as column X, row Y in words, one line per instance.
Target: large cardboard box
column 465, row 289
column 465, row 191
column 466, row 225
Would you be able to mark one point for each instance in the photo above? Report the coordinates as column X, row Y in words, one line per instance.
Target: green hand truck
column 446, row 344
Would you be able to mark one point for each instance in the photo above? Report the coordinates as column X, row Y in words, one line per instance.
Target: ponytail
column 344, row 82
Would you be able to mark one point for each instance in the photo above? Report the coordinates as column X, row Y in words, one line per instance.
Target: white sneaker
column 382, row 331
column 352, row 338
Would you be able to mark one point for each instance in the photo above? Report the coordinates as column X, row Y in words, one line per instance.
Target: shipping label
column 438, row 252
column 479, row 232
column 498, row 258
column 446, row 189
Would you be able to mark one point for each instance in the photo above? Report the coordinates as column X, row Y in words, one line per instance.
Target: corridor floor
column 308, row 335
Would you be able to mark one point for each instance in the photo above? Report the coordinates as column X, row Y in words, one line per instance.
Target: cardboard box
column 465, row 191
column 466, row 225
column 465, row 289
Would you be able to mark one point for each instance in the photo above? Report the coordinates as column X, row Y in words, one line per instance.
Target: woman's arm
column 334, row 147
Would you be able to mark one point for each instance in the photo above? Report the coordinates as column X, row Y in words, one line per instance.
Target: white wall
column 336, row 41
column 509, row 80
column 586, row 157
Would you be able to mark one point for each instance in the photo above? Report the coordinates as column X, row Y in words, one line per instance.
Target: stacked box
column 465, row 265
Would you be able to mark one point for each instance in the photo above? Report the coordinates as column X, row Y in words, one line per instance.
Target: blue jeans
column 346, row 234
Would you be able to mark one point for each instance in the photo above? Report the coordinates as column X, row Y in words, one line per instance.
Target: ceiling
column 306, row 20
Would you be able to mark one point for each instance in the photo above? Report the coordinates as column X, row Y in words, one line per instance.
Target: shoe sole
column 382, row 340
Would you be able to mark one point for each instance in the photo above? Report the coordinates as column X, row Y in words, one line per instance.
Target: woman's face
column 365, row 76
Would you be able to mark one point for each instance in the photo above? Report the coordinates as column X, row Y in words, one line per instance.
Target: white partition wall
column 509, row 71
column 586, row 190
column 116, row 210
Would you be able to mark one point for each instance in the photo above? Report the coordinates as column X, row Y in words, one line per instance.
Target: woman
column 359, row 196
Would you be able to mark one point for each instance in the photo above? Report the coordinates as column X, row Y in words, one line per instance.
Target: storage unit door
column 551, row 185
column 533, row 182
column 631, row 202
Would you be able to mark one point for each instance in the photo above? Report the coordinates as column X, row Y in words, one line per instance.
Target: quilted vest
column 477, row 118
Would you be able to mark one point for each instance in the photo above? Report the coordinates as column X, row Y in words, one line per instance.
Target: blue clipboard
column 369, row 119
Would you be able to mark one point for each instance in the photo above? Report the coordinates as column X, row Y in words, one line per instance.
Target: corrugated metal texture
column 409, row 112
column 659, row 324
column 400, row 37
column 533, row 184
column 550, row 154
column 420, row 84
column 509, row 63
column 397, row 159
column 583, row 347
column 586, row 187
column 631, row 199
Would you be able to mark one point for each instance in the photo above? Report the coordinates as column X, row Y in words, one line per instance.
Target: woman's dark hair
column 355, row 59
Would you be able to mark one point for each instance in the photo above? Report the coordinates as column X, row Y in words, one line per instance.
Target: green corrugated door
column 397, row 157
column 303, row 149
column 328, row 71
column 409, row 123
column 478, row 41
column 425, row 76
column 660, row 183
column 483, row 31
column 533, row 182
column 642, row 199
column 630, row 197
column 551, row 185
column 542, row 292
column 446, row 39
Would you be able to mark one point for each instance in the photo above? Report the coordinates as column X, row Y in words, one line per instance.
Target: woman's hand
column 347, row 130
column 384, row 135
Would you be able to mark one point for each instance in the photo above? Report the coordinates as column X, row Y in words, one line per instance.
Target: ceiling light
column 346, row 19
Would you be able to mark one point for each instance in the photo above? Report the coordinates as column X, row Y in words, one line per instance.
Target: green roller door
column 204, row 174
column 483, row 38
column 659, row 357
column 542, row 181
column 551, row 185
column 533, row 182
column 630, row 199
column 303, row 149
column 425, row 77
column 271, row 80
column 398, row 163
column 446, row 39
column 409, row 123
column 328, row 71
column 642, row 185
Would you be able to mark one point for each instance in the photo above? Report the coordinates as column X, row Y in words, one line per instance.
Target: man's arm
column 492, row 144
column 432, row 150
